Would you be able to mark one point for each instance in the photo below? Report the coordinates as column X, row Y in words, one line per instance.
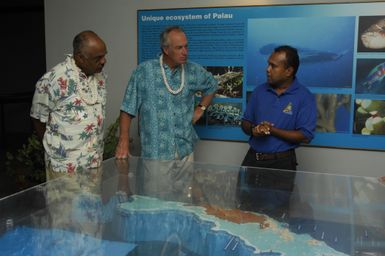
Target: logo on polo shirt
column 288, row 109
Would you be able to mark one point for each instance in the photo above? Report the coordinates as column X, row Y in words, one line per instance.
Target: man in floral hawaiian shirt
column 68, row 107
column 68, row 112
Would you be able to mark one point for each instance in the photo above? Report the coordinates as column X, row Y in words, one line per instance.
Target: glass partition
column 146, row 207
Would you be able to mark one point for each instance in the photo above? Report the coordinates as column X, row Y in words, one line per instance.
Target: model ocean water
column 234, row 229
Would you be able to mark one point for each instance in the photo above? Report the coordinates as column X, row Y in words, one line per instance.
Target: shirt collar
column 292, row 88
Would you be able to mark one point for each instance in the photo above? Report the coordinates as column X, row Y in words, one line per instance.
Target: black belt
column 273, row 156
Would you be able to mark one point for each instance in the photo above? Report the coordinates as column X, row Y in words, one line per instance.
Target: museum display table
column 194, row 209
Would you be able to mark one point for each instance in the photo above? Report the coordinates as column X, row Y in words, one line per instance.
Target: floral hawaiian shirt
column 166, row 129
column 74, row 126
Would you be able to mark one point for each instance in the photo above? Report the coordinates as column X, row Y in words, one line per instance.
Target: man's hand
column 262, row 129
column 198, row 113
column 39, row 128
column 123, row 149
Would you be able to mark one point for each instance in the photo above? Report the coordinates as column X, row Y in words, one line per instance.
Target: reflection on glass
column 147, row 207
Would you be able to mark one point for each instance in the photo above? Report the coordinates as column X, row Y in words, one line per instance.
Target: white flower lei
column 165, row 78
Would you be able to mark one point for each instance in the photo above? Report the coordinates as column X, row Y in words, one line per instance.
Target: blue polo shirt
column 295, row 109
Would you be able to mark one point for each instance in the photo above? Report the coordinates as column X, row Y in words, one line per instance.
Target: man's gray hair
column 164, row 42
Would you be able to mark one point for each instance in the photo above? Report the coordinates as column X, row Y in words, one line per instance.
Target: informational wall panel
column 342, row 54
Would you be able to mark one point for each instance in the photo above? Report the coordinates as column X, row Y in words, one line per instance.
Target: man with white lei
column 161, row 91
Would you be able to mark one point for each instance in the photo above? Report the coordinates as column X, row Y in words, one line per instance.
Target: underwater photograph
column 371, row 34
column 230, row 81
column 224, row 114
column 333, row 112
column 325, row 46
column 370, row 75
column 369, row 117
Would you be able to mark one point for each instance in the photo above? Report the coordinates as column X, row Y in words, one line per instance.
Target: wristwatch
column 203, row 107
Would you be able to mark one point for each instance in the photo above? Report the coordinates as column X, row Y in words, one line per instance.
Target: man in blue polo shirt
column 280, row 115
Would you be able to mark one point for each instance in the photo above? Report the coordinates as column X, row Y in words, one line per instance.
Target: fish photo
column 325, row 46
column 371, row 34
column 370, row 76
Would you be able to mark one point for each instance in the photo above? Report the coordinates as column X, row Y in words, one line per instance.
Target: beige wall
column 115, row 21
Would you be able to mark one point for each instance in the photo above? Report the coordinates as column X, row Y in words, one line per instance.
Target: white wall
column 115, row 22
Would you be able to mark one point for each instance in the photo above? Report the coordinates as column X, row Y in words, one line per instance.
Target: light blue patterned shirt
column 166, row 128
